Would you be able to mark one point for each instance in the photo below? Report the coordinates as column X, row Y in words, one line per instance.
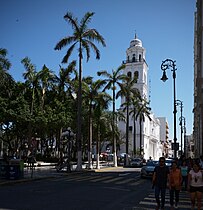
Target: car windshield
column 136, row 159
column 152, row 163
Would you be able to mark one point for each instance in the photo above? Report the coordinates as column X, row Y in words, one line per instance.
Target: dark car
column 148, row 169
column 136, row 162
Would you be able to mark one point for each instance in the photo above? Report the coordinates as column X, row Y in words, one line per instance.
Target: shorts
column 196, row 189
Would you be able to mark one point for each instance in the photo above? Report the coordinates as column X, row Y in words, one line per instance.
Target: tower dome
column 136, row 42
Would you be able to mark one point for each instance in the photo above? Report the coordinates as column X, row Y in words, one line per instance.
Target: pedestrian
column 195, row 185
column 159, row 180
column 175, row 181
column 184, row 173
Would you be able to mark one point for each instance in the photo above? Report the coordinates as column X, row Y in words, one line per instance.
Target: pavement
column 43, row 170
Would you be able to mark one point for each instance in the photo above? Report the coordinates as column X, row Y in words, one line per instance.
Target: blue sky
column 166, row 27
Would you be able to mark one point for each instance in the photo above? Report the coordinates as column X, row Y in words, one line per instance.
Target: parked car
column 121, row 159
column 168, row 162
column 136, row 162
column 148, row 169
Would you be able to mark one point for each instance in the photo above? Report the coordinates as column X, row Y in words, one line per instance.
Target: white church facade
column 144, row 138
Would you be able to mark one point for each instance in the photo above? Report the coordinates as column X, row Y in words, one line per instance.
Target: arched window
column 129, row 74
column 133, row 60
column 136, row 75
column 140, row 57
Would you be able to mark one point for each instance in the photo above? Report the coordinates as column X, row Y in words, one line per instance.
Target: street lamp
column 167, row 64
column 183, row 128
column 180, row 103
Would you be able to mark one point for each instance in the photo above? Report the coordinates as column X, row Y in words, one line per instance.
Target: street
column 77, row 191
column 105, row 189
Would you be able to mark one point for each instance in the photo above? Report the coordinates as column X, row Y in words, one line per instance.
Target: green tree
column 112, row 81
column 84, row 38
column 46, row 79
column 92, row 95
column 129, row 91
column 102, row 102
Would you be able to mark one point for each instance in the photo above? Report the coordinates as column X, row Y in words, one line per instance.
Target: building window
column 140, row 57
column 129, row 74
column 133, row 60
column 136, row 75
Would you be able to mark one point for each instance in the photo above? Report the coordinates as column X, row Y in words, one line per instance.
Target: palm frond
column 68, row 54
column 72, row 20
column 85, row 20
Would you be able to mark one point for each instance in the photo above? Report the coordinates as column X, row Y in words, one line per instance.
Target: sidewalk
column 47, row 170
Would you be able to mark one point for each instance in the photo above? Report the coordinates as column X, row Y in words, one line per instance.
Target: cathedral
column 143, row 137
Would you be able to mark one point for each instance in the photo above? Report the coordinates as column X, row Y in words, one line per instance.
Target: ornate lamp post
column 167, row 64
column 180, row 103
column 183, row 128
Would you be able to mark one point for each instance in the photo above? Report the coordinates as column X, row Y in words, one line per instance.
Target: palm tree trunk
column 140, row 136
column 127, row 133
column 113, row 131
column 98, row 146
column 90, row 139
column 134, row 136
column 79, row 116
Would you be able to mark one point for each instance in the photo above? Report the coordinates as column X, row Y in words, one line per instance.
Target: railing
column 134, row 61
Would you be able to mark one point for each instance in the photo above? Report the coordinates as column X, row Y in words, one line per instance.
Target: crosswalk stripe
column 137, row 182
column 113, row 180
column 104, row 179
column 101, row 179
column 167, row 200
column 78, row 179
column 150, row 202
column 125, row 181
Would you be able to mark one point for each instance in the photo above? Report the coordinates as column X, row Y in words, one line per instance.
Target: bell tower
column 136, row 66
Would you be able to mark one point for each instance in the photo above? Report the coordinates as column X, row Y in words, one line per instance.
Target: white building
column 144, row 139
column 164, row 137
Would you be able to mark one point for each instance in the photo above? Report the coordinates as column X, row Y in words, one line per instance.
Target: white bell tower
column 143, row 135
column 136, row 66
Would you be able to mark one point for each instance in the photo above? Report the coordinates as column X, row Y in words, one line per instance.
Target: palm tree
column 64, row 80
column 31, row 79
column 6, row 80
column 130, row 92
column 92, row 95
column 32, row 82
column 101, row 104
column 143, row 111
column 46, row 79
column 136, row 106
column 112, row 81
column 83, row 37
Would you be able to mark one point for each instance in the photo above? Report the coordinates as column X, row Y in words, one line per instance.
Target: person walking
column 195, row 185
column 159, row 181
column 175, row 181
column 184, row 172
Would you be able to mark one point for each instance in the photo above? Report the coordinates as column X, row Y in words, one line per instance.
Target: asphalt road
column 82, row 191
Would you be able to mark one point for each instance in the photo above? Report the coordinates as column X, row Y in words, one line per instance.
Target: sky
column 166, row 28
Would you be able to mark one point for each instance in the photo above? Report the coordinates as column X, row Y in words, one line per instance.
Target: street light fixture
column 170, row 64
